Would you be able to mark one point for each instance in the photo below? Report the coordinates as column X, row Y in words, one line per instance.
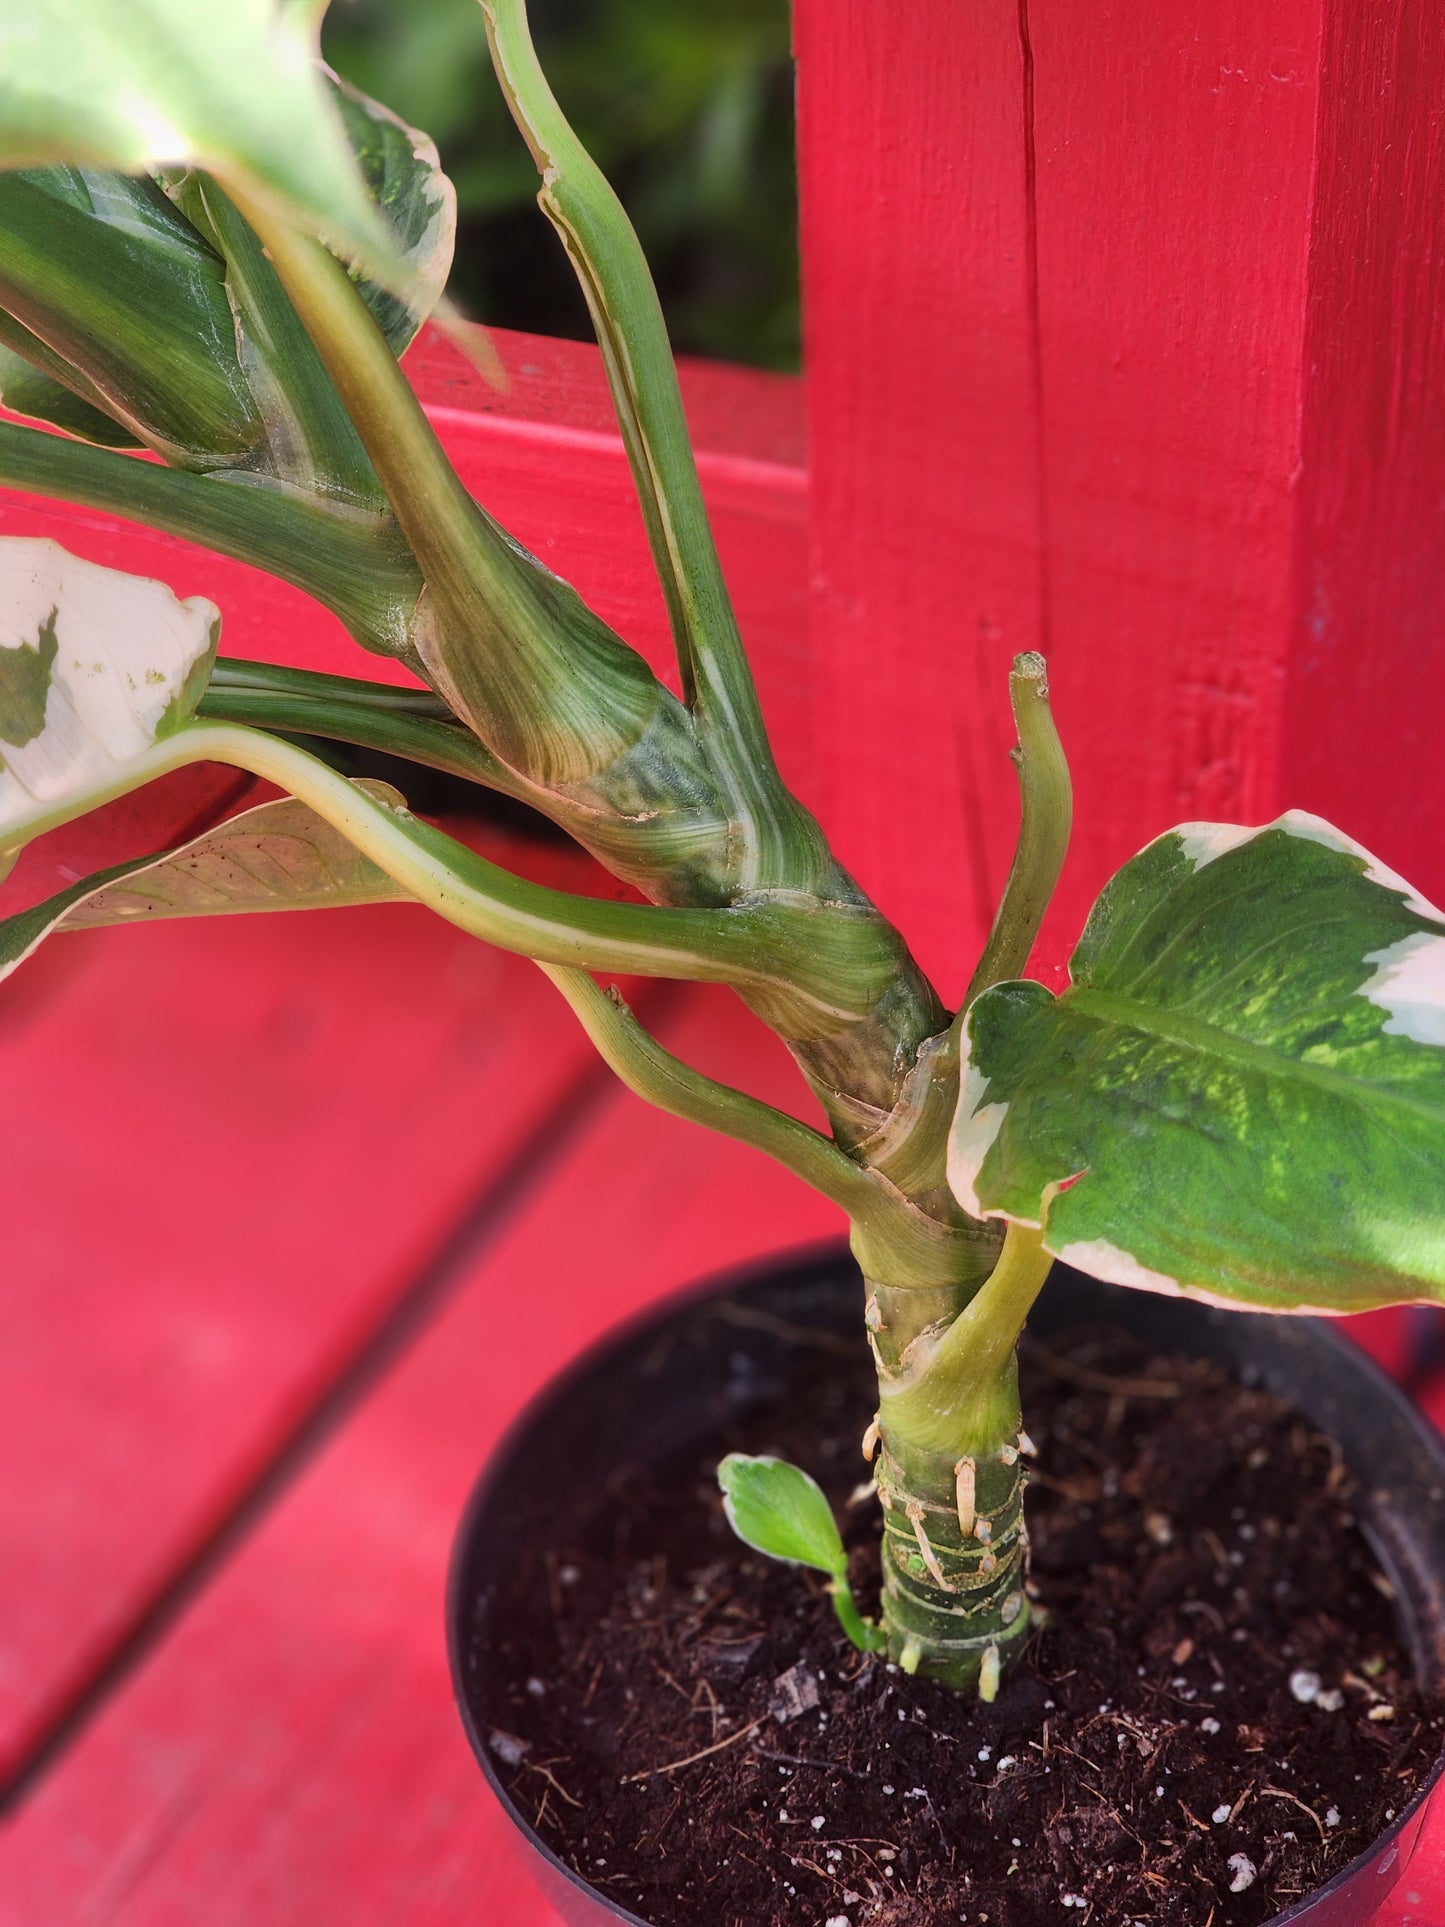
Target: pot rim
column 799, row 1261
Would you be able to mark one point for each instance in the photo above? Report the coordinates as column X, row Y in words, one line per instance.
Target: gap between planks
column 377, row 1353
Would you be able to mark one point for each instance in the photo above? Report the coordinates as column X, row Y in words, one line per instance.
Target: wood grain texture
column 1124, row 336
column 231, row 1149
column 291, row 1753
column 923, row 433
column 1365, row 689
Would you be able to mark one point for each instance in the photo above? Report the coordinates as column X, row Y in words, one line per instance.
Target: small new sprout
column 777, row 1509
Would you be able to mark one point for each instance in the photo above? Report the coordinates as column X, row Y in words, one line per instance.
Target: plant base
column 649, row 1657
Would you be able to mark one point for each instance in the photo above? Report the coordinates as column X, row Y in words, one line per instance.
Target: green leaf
column 403, row 175
column 1242, row 1094
column 776, row 1508
column 279, row 856
column 94, row 667
column 120, row 299
column 231, row 86
column 26, row 391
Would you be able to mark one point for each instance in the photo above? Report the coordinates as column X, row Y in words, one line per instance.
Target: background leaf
column 776, row 1508
column 1243, row 1093
column 278, row 856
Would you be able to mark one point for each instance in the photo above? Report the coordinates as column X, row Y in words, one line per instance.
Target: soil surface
column 1217, row 1716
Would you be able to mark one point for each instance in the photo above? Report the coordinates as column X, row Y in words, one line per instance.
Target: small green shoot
column 777, row 1509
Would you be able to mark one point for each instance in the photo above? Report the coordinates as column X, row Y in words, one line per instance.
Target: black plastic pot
column 685, row 1368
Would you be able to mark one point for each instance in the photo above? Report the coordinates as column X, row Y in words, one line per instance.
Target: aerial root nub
column 914, row 1510
column 965, row 1486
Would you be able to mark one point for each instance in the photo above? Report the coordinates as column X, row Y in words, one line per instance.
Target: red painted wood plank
column 229, row 1148
column 923, row 436
column 1123, row 336
column 290, row 1753
column 1365, row 695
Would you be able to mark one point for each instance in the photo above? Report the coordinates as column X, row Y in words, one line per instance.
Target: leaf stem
column 763, row 946
column 650, row 1070
column 627, row 316
column 1046, row 806
column 354, row 563
column 957, row 1393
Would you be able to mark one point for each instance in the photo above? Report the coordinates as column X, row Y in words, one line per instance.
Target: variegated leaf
column 94, row 667
column 1242, row 1094
column 231, row 86
column 26, row 391
column 279, row 856
column 403, row 175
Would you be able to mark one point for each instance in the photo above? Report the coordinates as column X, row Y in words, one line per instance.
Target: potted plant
column 212, row 250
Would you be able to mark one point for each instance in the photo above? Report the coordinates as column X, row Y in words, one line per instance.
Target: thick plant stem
column 950, row 1472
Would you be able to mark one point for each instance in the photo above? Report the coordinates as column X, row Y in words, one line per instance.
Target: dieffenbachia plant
column 211, row 254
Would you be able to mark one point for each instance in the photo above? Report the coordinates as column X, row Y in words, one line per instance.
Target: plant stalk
column 1046, row 814
column 950, row 1474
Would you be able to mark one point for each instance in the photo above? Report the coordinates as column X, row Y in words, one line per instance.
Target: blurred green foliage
column 686, row 104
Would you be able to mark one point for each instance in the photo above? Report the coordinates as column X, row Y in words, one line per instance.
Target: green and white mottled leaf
column 231, row 86
column 26, row 391
column 94, row 667
column 777, row 1509
column 279, row 856
column 111, row 291
column 1242, row 1094
column 403, row 175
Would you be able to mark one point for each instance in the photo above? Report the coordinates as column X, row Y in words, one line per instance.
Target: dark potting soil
column 1217, row 1716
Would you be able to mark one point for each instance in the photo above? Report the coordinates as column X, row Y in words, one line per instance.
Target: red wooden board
column 290, row 1754
column 229, row 1148
column 1123, row 329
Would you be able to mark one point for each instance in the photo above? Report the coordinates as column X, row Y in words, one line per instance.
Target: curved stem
column 955, row 1393
column 612, row 269
column 762, row 946
column 412, row 723
column 354, row 563
column 1046, row 802
column 650, row 1070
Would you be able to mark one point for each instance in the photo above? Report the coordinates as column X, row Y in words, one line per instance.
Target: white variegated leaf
column 1241, row 1095
column 279, row 856
column 95, row 665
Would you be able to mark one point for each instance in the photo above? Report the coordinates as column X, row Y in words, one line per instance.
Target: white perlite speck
column 1305, row 1686
column 839, row 1920
column 1243, row 1870
column 1221, row 1813
column 1074, row 1900
column 1332, row 1816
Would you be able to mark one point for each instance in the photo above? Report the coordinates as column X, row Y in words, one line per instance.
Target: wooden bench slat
column 229, row 1147
column 290, row 1753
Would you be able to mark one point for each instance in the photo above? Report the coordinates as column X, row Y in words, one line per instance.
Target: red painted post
column 1120, row 323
